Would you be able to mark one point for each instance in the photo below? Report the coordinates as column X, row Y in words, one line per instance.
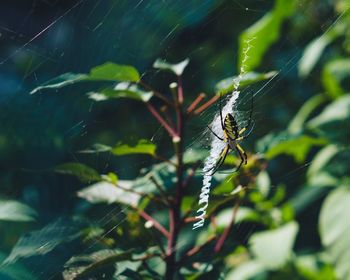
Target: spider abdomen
column 231, row 126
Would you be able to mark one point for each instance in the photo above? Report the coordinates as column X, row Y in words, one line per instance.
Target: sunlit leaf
column 227, row 85
column 297, row 147
column 106, row 192
column 121, row 90
column 263, row 183
column 297, row 124
column 254, row 41
column 334, row 225
column 334, row 121
column 321, row 159
column 177, row 68
column 84, row 173
column 94, row 265
column 11, row 210
column 61, row 81
column 314, row 50
column 110, row 177
column 334, row 72
column 224, row 217
column 110, row 71
column 314, row 267
column 42, row 241
column 143, row 146
column 273, row 248
column 245, row 271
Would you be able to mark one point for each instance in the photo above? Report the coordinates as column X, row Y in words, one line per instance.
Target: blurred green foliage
column 74, row 206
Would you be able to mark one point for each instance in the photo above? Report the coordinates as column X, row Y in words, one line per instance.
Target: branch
column 156, row 224
column 223, row 237
column 180, row 92
column 156, row 93
column 194, row 104
column 160, row 119
column 198, row 248
column 206, row 105
column 161, row 158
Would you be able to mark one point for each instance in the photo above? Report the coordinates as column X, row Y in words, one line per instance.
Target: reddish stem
column 180, row 92
column 223, row 237
column 207, row 104
column 156, row 93
column 197, row 249
column 160, row 119
column 156, row 224
column 175, row 221
column 195, row 103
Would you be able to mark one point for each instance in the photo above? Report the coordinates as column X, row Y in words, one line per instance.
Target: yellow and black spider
column 232, row 134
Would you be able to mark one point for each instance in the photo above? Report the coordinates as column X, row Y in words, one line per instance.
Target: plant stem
column 156, row 93
column 175, row 221
column 195, row 103
column 160, row 119
column 156, row 224
column 223, row 237
column 207, row 104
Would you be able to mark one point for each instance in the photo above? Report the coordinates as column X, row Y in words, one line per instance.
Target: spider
column 231, row 135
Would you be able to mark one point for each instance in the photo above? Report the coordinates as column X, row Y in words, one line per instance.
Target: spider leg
column 245, row 136
column 215, row 134
column 220, row 161
column 242, row 154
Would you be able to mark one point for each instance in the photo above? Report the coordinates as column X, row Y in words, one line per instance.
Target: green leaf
column 297, row 124
column 106, row 72
column 255, row 41
column 96, row 148
column 297, row 147
column 245, row 271
column 334, row 225
column 84, row 173
column 227, row 85
column 334, row 121
column 143, row 146
column 321, row 159
column 11, row 210
column 94, row 265
column 177, row 68
column 313, row 267
column 334, row 72
column 121, row 90
column 273, row 248
column 263, row 183
column 224, row 217
column 313, row 52
column 106, row 192
column 110, row 71
column 61, row 81
column 41, row 242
